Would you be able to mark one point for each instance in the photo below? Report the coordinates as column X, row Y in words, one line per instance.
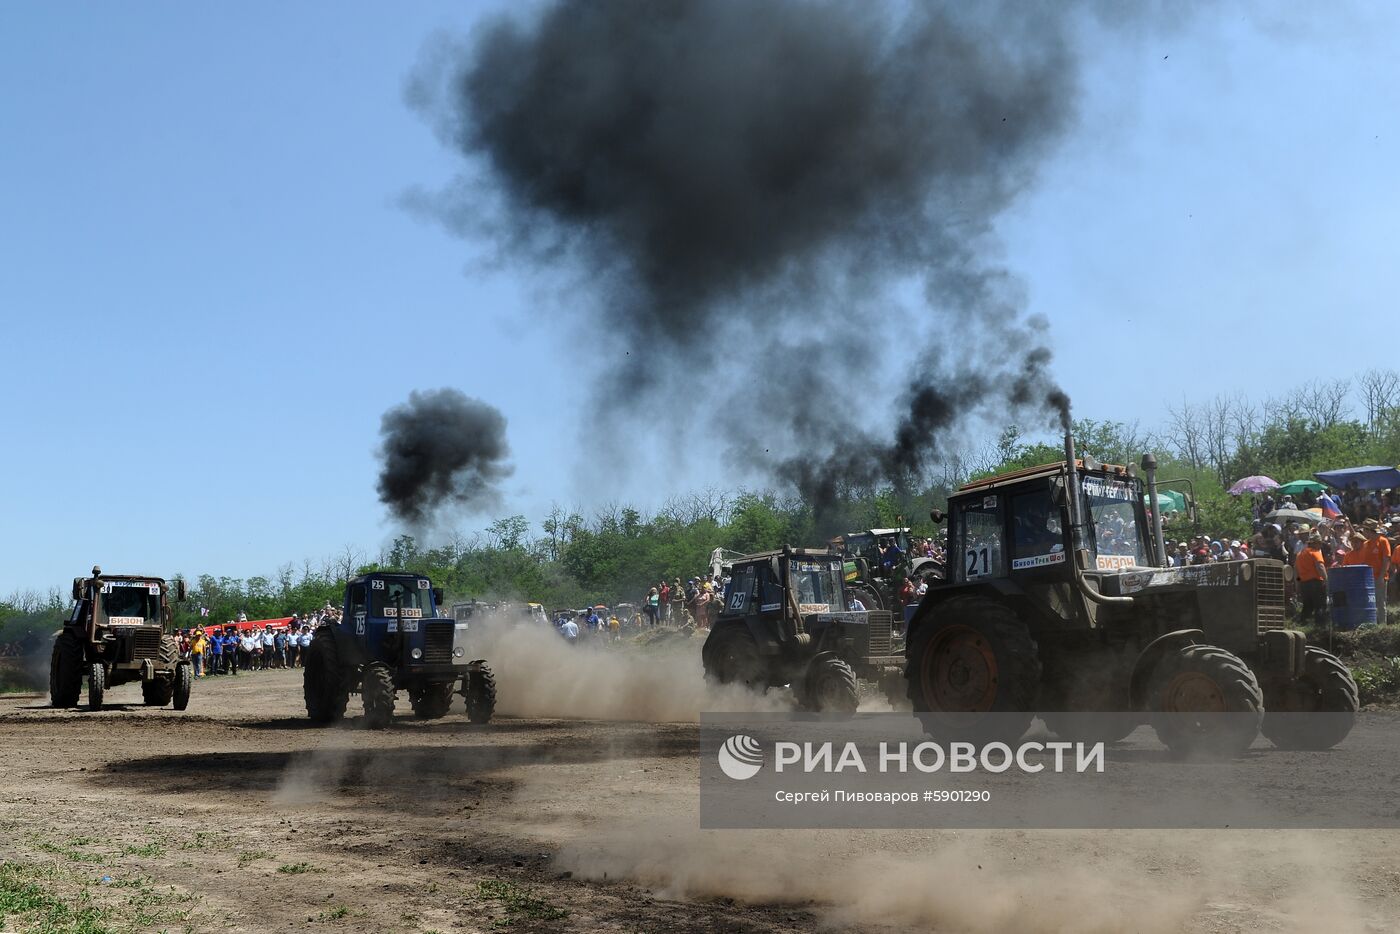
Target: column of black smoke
column 744, row 181
column 442, row 448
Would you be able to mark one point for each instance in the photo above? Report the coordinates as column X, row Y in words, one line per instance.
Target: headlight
column 416, row 654
column 458, row 652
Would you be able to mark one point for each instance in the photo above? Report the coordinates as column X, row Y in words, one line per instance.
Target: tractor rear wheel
column 183, row 680
column 480, row 691
column 869, row 596
column 431, row 701
column 1205, row 700
column 1326, row 689
column 830, row 686
column 97, row 685
column 377, row 692
column 66, row 670
column 730, row 656
column 973, row 657
column 323, row 684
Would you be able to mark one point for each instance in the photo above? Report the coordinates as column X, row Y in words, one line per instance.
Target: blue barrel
column 1353, row 592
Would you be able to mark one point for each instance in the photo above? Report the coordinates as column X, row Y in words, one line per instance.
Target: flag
column 1329, row 506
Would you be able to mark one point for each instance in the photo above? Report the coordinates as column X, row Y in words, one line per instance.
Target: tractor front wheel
column 183, row 680
column 97, row 685
column 1317, row 710
column 1205, row 700
column 377, row 692
column 830, row 686
column 480, row 691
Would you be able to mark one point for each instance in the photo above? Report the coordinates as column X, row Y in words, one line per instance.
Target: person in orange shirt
column 1356, row 549
column 1312, row 581
column 1377, row 553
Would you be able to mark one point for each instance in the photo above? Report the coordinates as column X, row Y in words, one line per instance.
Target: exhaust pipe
column 1149, row 467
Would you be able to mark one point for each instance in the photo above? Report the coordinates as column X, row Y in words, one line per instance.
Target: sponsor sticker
column 1038, row 561
column 126, row 620
column 1115, row 562
column 410, row 625
column 805, row 608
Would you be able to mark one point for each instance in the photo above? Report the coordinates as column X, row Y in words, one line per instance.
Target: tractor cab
column 395, row 618
column 787, row 619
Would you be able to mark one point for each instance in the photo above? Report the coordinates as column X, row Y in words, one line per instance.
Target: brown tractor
column 118, row 632
column 1059, row 600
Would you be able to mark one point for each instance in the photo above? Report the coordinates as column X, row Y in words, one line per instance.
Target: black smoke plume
column 442, row 448
column 744, row 182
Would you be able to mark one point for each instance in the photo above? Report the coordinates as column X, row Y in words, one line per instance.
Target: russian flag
column 1329, row 506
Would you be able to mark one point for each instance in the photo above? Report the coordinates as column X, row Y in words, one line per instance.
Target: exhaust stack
column 1149, row 467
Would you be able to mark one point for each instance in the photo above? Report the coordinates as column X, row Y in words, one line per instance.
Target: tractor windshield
column 414, row 596
column 1118, row 537
column 817, row 585
column 130, row 603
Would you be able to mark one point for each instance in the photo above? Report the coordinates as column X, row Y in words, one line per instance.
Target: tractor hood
column 1224, row 574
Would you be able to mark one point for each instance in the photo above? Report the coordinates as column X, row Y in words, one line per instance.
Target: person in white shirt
column 569, row 631
column 268, row 642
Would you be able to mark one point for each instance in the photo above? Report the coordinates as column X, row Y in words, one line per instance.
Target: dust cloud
column 659, row 680
column 1029, row 881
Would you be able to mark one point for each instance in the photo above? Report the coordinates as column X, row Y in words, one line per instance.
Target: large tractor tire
column 158, row 691
column 184, row 678
column 973, row 656
column 66, row 670
column 868, row 596
column 480, row 691
column 323, row 684
column 97, row 685
column 1326, row 687
column 830, row 686
column 432, row 701
column 1213, row 684
column 730, row 656
column 377, row 692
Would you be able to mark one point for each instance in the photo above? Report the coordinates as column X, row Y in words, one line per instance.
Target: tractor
column 784, row 620
column 118, row 632
column 871, row 576
column 1059, row 600
column 389, row 638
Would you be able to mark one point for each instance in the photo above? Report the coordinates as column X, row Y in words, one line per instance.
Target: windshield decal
column 1108, row 489
column 409, row 612
column 1038, row 561
column 143, row 585
column 1115, row 562
column 126, row 620
column 806, row 608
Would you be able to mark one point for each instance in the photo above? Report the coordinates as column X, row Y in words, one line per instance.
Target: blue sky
column 210, row 291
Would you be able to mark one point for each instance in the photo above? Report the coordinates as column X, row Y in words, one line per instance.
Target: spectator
column 198, row 645
column 1312, row 581
column 1378, row 552
column 653, row 606
column 664, row 600
column 304, row 645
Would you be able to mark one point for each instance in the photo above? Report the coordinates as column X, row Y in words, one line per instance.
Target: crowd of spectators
column 235, row 647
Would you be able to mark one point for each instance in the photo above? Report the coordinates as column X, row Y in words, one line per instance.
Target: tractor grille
column 145, row 643
column 880, row 632
column 1268, row 594
column 437, row 643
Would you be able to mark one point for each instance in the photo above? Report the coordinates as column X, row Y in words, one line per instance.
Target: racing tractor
column 784, row 621
column 389, row 638
column 118, row 632
column 1058, row 601
column 873, row 574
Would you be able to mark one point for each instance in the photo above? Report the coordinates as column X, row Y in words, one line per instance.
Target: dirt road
column 237, row 816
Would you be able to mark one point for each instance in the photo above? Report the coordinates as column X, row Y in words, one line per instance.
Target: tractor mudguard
column 1149, row 658
column 347, row 647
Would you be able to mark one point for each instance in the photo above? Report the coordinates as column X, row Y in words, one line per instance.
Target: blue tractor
column 389, row 638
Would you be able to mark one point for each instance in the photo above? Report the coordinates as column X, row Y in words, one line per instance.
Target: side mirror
column 937, row 515
column 180, row 591
column 437, row 596
column 1057, row 492
column 77, row 588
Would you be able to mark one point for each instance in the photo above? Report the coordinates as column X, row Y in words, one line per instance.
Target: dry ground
column 237, row 816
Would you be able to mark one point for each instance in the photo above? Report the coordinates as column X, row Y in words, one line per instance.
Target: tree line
column 616, row 551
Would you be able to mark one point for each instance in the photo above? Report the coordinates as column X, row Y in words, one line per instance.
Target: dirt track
column 236, row 816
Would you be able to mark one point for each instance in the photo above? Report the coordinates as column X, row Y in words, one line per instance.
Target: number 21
column 973, row 555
